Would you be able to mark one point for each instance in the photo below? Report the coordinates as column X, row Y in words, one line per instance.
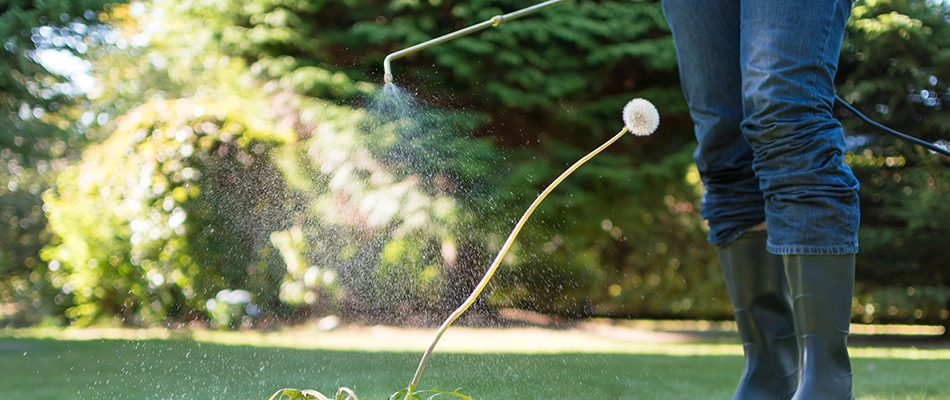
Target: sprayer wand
column 494, row 21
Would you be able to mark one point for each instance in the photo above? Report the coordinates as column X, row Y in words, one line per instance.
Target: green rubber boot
column 758, row 288
column 821, row 288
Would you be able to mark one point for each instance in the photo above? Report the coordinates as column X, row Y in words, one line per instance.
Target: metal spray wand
column 494, row 21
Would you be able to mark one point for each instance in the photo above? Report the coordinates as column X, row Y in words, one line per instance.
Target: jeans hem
column 725, row 241
column 813, row 250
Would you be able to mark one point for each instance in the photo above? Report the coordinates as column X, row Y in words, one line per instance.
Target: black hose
column 900, row 135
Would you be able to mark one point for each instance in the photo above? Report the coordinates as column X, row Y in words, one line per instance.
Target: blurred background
column 232, row 164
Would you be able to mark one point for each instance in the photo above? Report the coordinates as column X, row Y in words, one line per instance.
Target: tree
column 38, row 135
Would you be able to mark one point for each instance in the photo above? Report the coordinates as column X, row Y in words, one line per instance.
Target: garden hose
column 898, row 134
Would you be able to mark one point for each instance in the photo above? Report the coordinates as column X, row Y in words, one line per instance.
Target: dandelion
column 640, row 117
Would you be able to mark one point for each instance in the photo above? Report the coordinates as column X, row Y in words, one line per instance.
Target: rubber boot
column 758, row 288
column 821, row 288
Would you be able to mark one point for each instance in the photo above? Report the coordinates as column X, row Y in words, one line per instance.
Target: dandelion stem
column 501, row 255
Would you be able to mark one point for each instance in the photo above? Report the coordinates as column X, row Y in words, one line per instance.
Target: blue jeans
column 758, row 77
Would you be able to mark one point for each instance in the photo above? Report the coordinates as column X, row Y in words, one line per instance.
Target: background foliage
column 316, row 191
column 136, row 217
column 896, row 68
column 42, row 127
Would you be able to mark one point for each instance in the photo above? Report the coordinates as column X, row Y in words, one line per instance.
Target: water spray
column 493, row 21
column 640, row 118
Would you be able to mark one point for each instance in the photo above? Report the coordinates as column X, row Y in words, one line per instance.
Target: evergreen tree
column 895, row 67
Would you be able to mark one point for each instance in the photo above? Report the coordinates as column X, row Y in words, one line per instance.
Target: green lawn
column 47, row 368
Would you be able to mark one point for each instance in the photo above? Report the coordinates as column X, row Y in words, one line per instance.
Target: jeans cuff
column 813, row 250
column 727, row 240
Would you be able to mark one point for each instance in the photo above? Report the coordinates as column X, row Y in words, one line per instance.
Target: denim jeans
column 758, row 77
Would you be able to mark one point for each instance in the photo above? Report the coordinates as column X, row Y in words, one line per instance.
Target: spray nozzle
column 494, row 21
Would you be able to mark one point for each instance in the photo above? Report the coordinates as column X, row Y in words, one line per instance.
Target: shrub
column 176, row 206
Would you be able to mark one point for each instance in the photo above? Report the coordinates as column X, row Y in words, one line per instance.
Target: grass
column 70, row 364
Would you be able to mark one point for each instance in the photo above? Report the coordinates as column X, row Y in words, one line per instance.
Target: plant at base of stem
column 294, row 394
column 406, row 394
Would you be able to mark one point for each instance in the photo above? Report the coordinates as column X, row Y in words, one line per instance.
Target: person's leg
column 789, row 53
column 789, row 56
column 707, row 44
column 706, row 36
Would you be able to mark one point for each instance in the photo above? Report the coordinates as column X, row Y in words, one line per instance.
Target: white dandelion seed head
column 641, row 117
